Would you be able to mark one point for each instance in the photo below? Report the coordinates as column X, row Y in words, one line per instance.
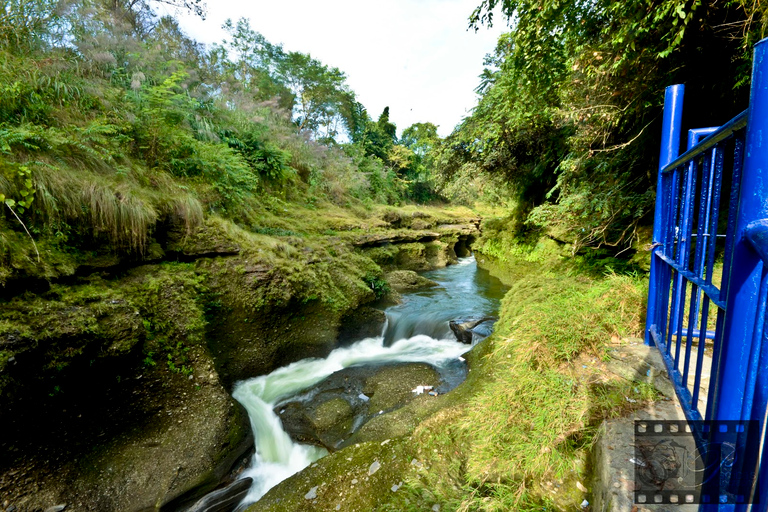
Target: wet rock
column 468, row 331
column 312, row 494
column 463, row 246
column 328, row 413
column 56, row 508
column 224, row 500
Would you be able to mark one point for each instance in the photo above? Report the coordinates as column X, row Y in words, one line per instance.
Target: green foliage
column 570, row 104
column 25, row 187
column 265, row 159
column 26, row 25
column 422, row 140
column 578, row 318
column 116, row 127
column 377, row 284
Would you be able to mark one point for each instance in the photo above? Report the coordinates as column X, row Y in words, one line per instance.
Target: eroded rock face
column 331, row 411
column 363, row 322
column 107, row 409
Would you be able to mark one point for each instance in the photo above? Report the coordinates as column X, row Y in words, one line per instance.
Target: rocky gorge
column 116, row 372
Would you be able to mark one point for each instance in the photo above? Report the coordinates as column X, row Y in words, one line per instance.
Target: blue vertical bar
column 670, row 148
column 711, row 249
column 730, row 241
column 705, row 204
column 682, row 256
column 717, row 188
column 757, row 156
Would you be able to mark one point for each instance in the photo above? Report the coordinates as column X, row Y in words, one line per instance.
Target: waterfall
column 277, row 456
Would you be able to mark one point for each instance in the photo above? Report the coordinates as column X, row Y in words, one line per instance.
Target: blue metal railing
column 709, row 278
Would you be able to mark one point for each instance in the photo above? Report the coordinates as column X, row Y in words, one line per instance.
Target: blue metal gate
column 708, row 282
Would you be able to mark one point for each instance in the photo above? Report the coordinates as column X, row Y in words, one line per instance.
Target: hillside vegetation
column 114, row 126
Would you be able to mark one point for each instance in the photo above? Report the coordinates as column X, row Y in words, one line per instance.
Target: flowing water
column 416, row 331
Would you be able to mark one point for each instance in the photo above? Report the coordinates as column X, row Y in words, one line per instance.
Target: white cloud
column 415, row 56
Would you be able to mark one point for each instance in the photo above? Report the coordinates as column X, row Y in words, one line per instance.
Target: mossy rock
column 425, row 256
column 101, row 421
column 332, row 413
column 407, row 281
column 355, row 479
column 51, row 342
column 392, row 387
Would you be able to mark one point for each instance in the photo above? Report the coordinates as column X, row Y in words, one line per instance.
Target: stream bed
column 417, row 330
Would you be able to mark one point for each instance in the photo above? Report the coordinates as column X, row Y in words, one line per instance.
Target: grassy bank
column 521, row 439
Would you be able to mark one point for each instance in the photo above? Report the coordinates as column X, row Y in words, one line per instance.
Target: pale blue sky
column 416, row 56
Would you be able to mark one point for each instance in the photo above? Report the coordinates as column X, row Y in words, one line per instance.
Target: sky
column 415, row 56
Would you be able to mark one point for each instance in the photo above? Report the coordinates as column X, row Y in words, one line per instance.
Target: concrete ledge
column 613, row 483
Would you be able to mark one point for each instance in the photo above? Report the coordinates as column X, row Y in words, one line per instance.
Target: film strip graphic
column 671, row 469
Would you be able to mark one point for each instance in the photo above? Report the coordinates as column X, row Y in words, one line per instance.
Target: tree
column 421, row 138
column 320, row 92
column 26, row 25
column 319, row 98
column 248, row 63
column 386, row 127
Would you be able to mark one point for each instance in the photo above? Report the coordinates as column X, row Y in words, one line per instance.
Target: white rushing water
column 277, row 456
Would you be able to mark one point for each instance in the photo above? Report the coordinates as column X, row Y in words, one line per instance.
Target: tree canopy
column 570, row 102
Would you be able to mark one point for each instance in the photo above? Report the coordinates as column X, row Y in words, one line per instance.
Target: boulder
column 471, row 331
column 408, row 281
column 328, row 413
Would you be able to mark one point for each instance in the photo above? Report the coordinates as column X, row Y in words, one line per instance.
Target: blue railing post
column 670, row 148
column 739, row 382
column 744, row 275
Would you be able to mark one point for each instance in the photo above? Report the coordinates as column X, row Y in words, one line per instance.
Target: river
column 416, row 330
